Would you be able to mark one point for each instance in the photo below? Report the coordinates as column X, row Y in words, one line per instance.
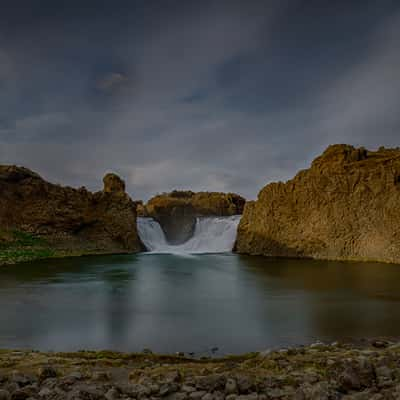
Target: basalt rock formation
column 177, row 211
column 72, row 221
column 345, row 207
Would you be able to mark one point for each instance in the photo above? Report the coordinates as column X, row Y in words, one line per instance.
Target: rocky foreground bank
column 344, row 207
column 369, row 371
column 39, row 219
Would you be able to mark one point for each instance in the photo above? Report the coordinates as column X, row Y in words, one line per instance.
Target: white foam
column 211, row 235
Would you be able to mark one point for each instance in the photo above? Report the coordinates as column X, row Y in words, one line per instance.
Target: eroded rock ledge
column 177, row 211
column 345, row 207
column 40, row 219
column 366, row 371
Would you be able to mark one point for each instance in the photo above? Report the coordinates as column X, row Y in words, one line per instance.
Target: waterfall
column 211, row 235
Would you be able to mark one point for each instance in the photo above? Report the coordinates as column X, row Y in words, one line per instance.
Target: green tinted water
column 172, row 303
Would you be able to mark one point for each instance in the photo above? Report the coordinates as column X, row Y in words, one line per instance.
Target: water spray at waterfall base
column 211, row 235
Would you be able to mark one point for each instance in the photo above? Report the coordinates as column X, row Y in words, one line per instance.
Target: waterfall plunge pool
column 171, row 303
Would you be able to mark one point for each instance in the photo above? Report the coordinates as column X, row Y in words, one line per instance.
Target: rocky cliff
column 345, row 207
column 71, row 221
column 177, row 211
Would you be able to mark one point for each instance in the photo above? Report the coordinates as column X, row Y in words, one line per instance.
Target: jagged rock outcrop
column 345, row 207
column 140, row 209
column 74, row 221
column 177, row 211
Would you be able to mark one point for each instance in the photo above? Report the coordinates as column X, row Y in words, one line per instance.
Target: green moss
column 27, row 239
column 17, row 246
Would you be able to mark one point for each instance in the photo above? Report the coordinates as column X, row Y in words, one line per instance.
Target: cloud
column 111, row 82
column 361, row 105
column 209, row 95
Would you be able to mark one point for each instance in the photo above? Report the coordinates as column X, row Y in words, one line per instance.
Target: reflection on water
column 171, row 303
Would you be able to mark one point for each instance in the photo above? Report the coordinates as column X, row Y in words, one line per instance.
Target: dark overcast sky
column 203, row 95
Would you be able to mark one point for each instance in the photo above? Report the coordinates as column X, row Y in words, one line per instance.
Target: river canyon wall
column 70, row 221
column 346, row 206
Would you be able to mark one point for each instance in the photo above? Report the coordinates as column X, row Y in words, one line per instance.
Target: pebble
column 112, row 394
column 244, row 384
column 231, row 386
column 197, row 395
column 101, row 376
column 188, row 389
column 45, row 392
column 168, row 388
column 5, row 395
column 380, row 344
column 208, row 396
column 177, row 396
column 47, row 372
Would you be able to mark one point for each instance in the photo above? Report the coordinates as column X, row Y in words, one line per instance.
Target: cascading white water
column 211, row 235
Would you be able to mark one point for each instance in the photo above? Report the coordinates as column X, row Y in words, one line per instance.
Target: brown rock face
column 345, row 207
column 140, row 209
column 177, row 211
column 113, row 184
column 73, row 220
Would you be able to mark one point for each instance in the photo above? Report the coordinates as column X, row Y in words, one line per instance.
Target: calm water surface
column 172, row 303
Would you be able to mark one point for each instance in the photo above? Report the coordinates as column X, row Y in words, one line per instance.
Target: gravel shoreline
column 366, row 370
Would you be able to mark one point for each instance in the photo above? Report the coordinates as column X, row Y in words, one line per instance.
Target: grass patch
column 17, row 246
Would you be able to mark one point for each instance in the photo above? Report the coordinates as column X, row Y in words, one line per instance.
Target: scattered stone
column 45, row 392
column 23, row 393
column 86, row 392
column 46, row 372
column 174, row 376
column 177, row 396
column 384, row 376
column 251, row 396
column 77, row 375
column 20, row 379
column 197, row 395
column 244, row 384
column 154, row 388
column 208, row 396
column 211, row 382
column 349, row 380
column 231, row 386
column 5, row 395
column 380, row 344
column 188, row 389
column 101, row 376
column 168, row 388
column 112, row 394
